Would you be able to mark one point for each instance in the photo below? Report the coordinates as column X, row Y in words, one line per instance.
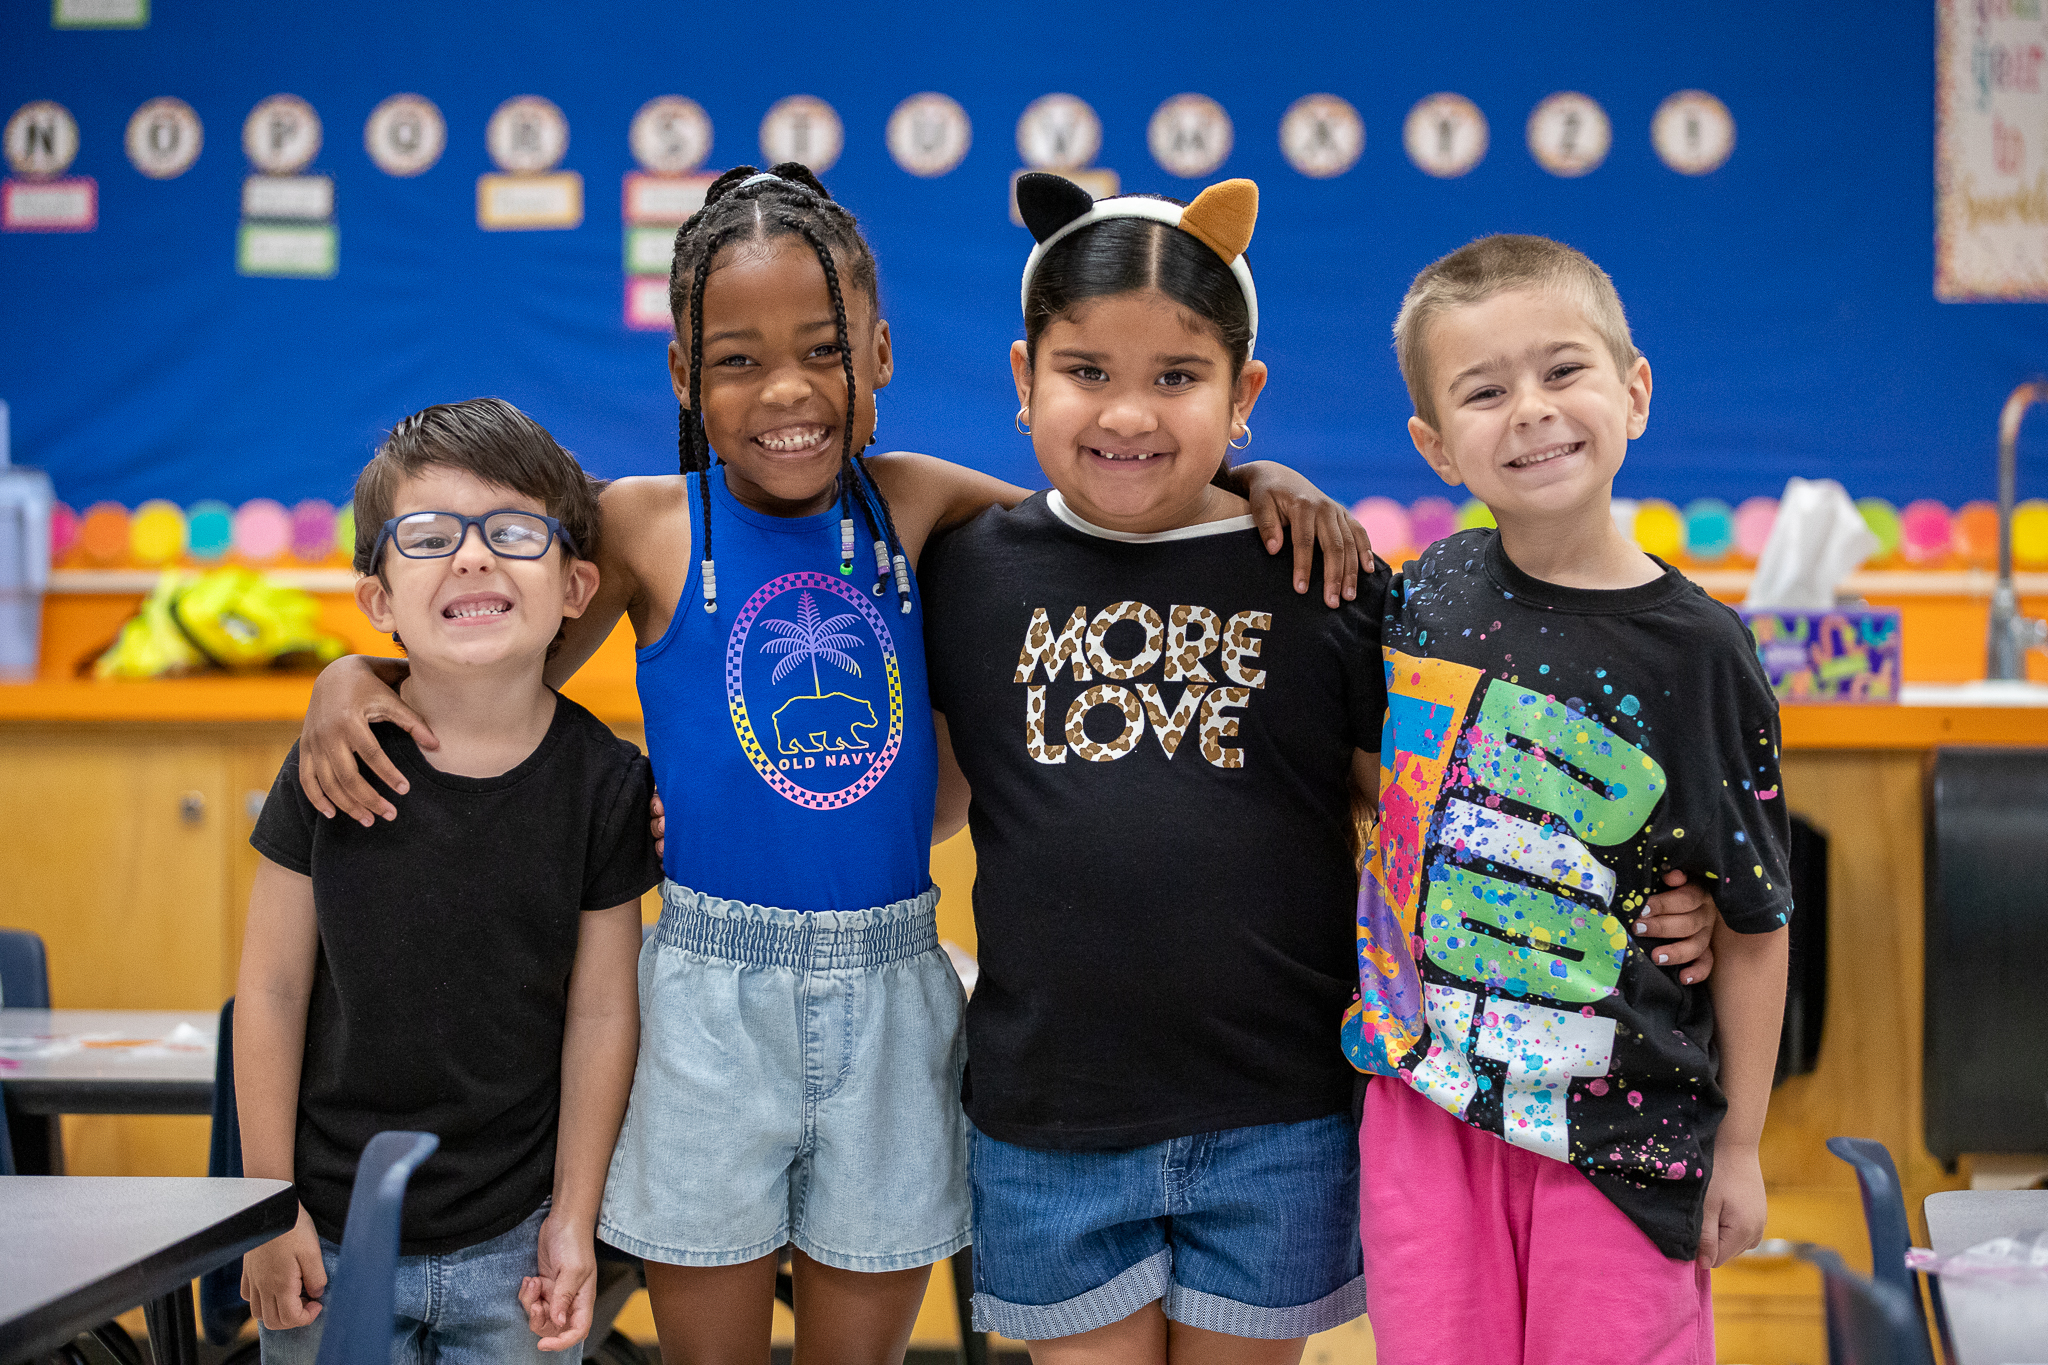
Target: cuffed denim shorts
column 798, row 1084
column 1248, row 1231
column 456, row 1308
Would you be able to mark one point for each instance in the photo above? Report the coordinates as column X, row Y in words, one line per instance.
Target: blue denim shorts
column 1249, row 1231
column 457, row 1308
column 798, row 1084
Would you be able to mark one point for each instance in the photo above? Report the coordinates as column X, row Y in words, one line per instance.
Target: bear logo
column 815, row 725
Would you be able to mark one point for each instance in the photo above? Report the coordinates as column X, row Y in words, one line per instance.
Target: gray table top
column 1960, row 1219
column 77, row 1250
column 108, row 1061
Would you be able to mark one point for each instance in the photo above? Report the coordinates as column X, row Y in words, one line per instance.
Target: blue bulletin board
column 1785, row 299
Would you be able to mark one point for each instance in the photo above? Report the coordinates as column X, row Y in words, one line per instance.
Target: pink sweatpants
column 1479, row 1251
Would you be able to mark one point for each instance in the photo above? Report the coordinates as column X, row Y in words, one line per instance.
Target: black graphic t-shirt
column 1549, row 754
column 1159, row 733
column 440, row 985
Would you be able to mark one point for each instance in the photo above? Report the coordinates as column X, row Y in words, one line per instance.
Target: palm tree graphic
column 808, row 638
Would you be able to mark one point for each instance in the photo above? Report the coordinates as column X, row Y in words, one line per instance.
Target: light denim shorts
column 799, row 1084
column 456, row 1308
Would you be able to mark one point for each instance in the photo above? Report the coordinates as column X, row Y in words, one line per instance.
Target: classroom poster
column 1991, row 150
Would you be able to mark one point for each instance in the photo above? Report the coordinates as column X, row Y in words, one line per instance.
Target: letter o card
column 527, row 135
column 802, row 128
column 405, row 135
column 1058, row 133
column 670, row 135
column 1445, row 135
column 1190, row 136
column 41, row 140
column 1569, row 134
column 281, row 135
column 1693, row 132
column 1322, row 136
column 929, row 134
column 164, row 138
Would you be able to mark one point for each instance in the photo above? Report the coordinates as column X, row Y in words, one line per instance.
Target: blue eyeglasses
column 510, row 534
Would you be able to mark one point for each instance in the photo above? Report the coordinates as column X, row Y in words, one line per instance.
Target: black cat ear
column 1048, row 203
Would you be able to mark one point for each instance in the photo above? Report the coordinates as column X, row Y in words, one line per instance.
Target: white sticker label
column 929, row 134
column 1569, row 134
column 281, row 135
column 1100, row 184
column 1445, row 135
column 276, row 249
column 802, row 128
column 649, row 250
column 405, row 135
column 306, row 197
column 664, row 199
column 527, row 134
column 670, row 135
column 647, row 305
column 164, row 138
column 514, row 202
column 41, row 140
column 1693, row 132
column 1322, row 136
column 50, row 205
column 99, row 14
column 1190, row 136
column 1058, row 133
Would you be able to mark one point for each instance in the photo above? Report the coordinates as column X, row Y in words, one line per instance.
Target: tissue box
column 1849, row 654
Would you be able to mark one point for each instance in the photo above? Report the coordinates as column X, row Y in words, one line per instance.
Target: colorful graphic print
column 828, row 745
column 1519, row 908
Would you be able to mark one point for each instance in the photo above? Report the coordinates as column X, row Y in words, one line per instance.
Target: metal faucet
column 2012, row 634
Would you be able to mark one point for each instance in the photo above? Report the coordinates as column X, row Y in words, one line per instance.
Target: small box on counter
column 1848, row 654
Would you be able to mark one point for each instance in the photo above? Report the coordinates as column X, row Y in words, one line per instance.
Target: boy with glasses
column 469, row 970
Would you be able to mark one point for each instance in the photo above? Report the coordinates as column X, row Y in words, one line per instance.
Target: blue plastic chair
column 358, row 1306
column 1870, row 1322
column 24, row 971
column 1884, row 1211
column 222, row 1309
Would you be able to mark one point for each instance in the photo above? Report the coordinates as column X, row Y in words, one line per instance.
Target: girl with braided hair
column 801, row 1042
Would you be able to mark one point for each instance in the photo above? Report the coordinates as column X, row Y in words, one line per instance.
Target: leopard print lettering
column 1105, row 694
column 1238, row 647
column 1107, row 664
column 1217, row 727
column 1041, row 648
column 1169, row 728
column 1034, row 728
column 1184, row 650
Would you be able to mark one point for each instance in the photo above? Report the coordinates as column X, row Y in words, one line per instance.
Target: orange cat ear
column 1222, row 217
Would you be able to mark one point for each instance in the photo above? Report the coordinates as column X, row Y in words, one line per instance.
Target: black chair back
column 222, row 1309
column 24, row 971
column 1869, row 1322
column 358, row 1304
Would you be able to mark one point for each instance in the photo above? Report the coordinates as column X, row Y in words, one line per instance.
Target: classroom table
column 79, row 1250
column 1960, row 1219
column 108, row 1061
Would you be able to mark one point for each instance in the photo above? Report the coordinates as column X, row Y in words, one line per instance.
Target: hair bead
column 903, row 581
column 710, row 587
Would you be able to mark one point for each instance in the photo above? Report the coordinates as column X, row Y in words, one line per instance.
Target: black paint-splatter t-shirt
column 1549, row 754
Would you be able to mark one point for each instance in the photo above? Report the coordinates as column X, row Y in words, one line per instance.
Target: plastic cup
column 262, row 530
column 312, row 531
column 63, row 532
column 1430, row 520
column 1474, row 515
column 1883, row 520
column 209, row 530
column 103, row 535
column 156, row 533
column 1660, row 529
column 1386, row 526
column 1925, row 533
column 1709, row 530
column 1975, row 533
column 1753, row 522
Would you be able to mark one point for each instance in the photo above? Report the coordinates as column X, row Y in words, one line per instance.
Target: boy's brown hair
column 1494, row 265
column 492, row 440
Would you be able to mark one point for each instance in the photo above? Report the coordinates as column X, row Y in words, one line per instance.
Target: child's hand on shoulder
column 1283, row 500
column 1734, row 1218
column 284, row 1278
column 558, row 1300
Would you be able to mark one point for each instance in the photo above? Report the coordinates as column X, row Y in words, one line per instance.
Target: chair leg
column 173, row 1331
column 973, row 1344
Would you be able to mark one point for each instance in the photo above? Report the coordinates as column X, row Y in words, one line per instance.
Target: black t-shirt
column 1159, row 734
column 1550, row 753
column 441, row 981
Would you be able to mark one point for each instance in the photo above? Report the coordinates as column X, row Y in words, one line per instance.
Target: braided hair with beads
column 746, row 204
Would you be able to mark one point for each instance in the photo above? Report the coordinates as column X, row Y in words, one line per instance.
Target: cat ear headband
column 1221, row 218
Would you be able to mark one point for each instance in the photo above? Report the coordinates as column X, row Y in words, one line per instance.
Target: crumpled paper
column 1818, row 540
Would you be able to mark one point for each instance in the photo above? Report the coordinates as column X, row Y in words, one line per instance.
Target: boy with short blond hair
column 469, row 970
column 1562, row 1140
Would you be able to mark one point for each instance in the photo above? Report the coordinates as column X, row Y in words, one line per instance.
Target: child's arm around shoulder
column 284, row 1278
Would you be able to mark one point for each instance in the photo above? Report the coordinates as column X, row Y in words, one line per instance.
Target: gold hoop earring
column 1022, row 413
column 1247, row 439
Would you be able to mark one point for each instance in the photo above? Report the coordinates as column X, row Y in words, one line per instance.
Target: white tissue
column 1818, row 540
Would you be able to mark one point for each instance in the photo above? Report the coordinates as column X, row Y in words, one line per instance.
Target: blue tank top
column 791, row 731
